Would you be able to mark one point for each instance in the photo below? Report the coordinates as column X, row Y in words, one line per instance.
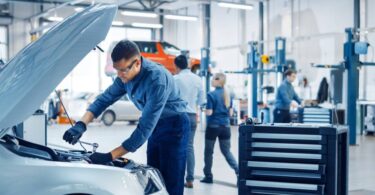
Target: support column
column 206, row 42
column 205, row 55
column 161, row 21
column 261, row 44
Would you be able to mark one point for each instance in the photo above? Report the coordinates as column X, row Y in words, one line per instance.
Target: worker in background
column 191, row 90
column 218, row 111
column 305, row 89
column 164, row 122
column 286, row 98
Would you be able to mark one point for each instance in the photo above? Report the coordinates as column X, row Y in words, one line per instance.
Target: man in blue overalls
column 286, row 98
column 164, row 121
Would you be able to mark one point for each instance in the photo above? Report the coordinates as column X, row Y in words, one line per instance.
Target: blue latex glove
column 73, row 134
column 100, row 158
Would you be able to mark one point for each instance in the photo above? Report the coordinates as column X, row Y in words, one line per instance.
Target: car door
column 150, row 51
column 125, row 109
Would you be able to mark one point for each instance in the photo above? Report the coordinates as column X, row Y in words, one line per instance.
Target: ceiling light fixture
column 180, row 17
column 139, row 14
column 146, row 25
column 235, row 5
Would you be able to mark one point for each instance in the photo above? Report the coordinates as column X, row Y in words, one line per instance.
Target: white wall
column 318, row 24
column 370, row 71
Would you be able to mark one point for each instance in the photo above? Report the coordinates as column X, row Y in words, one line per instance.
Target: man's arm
column 107, row 98
column 87, row 117
column 209, row 106
column 118, row 152
column 201, row 96
column 296, row 98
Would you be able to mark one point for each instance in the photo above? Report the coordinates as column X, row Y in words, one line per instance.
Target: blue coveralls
column 164, row 121
column 285, row 95
column 218, row 126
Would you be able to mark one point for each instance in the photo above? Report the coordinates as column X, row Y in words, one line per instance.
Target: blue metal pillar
column 261, row 43
column 252, row 61
column 280, row 60
column 161, row 21
column 206, row 43
column 205, row 60
column 351, row 64
column 280, row 53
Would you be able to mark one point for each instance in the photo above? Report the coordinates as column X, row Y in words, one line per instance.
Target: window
column 171, row 49
column 147, row 47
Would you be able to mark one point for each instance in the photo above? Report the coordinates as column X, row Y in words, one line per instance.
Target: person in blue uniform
column 286, row 98
column 164, row 121
column 218, row 110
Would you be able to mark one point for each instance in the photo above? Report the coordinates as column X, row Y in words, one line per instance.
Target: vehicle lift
column 254, row 59
column 353, row 48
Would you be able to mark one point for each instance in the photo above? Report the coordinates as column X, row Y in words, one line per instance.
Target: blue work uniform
column 164, row 121
column 285, row 95
column 218, row 126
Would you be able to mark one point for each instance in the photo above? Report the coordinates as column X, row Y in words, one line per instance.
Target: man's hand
column 73, row 134
column 101, row 158
column 294, row 104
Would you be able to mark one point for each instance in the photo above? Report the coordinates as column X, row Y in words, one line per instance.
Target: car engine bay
column 149, row 177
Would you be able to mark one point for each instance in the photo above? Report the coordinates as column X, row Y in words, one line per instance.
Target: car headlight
column 149, row 177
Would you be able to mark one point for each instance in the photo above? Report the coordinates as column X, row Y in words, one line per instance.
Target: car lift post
column 253, row 61
column 352, row 64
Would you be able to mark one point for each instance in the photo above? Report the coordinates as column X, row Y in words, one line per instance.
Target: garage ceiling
column 129, row 4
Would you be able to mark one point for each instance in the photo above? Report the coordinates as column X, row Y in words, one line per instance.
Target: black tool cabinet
column 293, row 159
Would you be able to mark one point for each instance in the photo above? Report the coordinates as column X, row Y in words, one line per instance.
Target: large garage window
column 90, row 74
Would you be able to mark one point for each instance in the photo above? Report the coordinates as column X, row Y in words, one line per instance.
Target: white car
column 26, row 81
column 122, row 110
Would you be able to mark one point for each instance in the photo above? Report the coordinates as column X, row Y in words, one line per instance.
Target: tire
column 132, row 122
column 108, row 118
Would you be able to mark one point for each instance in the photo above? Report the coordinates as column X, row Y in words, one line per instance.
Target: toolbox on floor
column 293, row 159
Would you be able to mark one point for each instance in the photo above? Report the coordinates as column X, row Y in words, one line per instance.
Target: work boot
column 207, row 180
column 189, row 184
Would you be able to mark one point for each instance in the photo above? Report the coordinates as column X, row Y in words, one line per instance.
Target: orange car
column 159, row 52
column 164, row 53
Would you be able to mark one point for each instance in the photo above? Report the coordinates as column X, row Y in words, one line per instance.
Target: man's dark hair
column 124, row 49
column 181, row 62
column 290, row 72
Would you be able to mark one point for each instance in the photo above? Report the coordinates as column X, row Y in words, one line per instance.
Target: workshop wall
column 368, row 83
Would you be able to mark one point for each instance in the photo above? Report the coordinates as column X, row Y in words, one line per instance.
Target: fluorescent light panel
column 235, row 5
column 146, row 25
column 180, row 17
column 139, row 14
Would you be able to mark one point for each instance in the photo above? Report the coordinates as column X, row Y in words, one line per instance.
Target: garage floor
column 361, row 169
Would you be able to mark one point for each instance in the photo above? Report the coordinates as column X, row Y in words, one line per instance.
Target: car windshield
column 171, row 49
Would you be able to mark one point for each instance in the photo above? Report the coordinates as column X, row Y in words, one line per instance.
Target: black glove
column 73, row 134
column 100, row 158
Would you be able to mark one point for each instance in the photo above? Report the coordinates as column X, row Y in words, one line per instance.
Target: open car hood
column 28, row 79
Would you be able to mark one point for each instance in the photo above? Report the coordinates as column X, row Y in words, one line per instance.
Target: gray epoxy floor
column 361, row 162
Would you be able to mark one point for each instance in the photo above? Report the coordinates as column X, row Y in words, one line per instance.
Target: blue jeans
column 281, row 116
column 166, row 151
column 223, row 133
column 190, row 160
